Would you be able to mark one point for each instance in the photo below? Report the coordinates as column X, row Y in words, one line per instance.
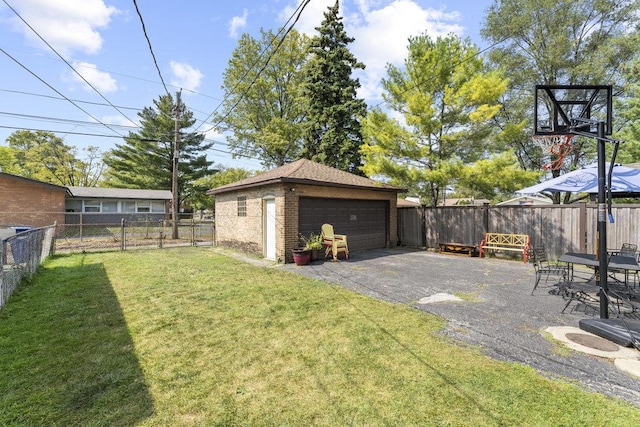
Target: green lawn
column 187, row 336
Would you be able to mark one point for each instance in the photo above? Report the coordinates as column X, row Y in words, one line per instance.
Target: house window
column 144, row 206
column 157, row 207
column 109, row 206
column 128, row 206
column 242, row 205
column 91, row 206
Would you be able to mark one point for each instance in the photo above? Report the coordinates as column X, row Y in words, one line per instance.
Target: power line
column 299, row 11
column 146, row 36
column 100, row 104
column 61, row 120
column 57, row 91
column 65, row 61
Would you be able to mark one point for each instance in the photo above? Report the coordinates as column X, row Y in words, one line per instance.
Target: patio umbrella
column 625, row 182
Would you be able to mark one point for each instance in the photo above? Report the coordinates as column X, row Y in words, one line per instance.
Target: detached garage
column 266, row 214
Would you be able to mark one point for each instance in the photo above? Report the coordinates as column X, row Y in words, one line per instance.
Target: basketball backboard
column 563, row 109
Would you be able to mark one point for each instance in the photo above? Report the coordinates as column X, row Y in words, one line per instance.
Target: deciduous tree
column 261, row 110
column 45, row 157
column 558, row 42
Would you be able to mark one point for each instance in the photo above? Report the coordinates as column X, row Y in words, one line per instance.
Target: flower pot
column 301, row 256
column 316, row 254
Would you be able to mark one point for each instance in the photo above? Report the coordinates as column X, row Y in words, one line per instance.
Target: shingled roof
column 119, row 193
column 305, row 171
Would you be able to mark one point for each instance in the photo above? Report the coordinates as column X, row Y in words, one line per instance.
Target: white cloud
column 237, row 22
column 381, row 29
column 68, row 26
column 101, row 80
column 185, row 76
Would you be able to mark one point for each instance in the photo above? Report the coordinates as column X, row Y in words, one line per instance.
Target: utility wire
column 144, row 30
column 58, row 92
column 299, row 11
column 65, row 61
column 61, row 120
column 19, row 92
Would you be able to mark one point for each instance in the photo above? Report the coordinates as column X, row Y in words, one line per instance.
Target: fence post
column 485, row 217
column 582, row 228
column 161, row 233
column 122, row 235
column 193, row 233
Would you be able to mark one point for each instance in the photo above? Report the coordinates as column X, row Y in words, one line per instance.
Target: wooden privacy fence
column 560, row 228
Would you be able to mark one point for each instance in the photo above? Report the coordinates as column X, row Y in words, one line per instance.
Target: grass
column 190, row 337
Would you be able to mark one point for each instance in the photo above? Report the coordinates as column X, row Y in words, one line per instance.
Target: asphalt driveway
column 498, row 313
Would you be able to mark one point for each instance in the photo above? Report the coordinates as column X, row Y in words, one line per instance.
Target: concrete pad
column 439, row 297
column 586, row 342
column 630, row 366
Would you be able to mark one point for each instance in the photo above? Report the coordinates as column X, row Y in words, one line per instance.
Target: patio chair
column 628, row 250
column 543, row 267
column 334, row 243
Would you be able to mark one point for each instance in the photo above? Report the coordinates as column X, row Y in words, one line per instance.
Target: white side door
column 269, row 230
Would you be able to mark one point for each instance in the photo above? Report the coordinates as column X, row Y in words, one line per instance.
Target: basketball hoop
column 558, row 147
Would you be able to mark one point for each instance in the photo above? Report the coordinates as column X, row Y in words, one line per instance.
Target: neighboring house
column 466, row 201
column 526, row 201
column 27, row 202
column 94, row 205
column 266, row 214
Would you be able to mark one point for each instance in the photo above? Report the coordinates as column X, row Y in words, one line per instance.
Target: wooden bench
column 458, row 248
column 505, row 242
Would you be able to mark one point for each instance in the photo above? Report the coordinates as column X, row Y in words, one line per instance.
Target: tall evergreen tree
column 145, row 159
column 333, row 133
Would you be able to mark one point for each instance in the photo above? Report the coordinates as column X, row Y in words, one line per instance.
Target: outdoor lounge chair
column 334, row 243
column 545, row 268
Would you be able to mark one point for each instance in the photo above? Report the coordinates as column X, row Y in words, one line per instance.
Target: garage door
column 363, row 221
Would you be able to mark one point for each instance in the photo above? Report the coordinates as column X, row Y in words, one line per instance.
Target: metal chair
column 543, row 267
column 334, row 243
column 628, row 250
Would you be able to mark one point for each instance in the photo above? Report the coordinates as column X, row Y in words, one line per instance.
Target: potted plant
column 301, row 256
column 310, row 249
column 314, row 242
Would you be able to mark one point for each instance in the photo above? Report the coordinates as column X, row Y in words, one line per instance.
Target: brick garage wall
column 245, row 233
column 23, row 202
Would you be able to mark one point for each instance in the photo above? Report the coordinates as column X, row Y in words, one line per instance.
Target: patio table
column 615, row 262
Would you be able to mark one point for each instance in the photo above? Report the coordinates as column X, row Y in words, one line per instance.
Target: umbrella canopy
column 625, row 181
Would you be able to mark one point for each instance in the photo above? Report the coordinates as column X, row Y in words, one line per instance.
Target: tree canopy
column 145, row 159
column 333, row 133
column 45, row 157
column 570, row 42
column 446, row 96
column 262, row 110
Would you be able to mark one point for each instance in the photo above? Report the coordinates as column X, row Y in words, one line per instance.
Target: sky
column 46, row 45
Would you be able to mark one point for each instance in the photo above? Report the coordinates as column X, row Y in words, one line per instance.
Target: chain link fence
column 133, row 234
column 20, row 256
column 22, row 253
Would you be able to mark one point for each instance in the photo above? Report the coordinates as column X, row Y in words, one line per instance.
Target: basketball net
column 558, row 147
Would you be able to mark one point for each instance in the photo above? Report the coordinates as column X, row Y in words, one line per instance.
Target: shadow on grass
column 66, row 354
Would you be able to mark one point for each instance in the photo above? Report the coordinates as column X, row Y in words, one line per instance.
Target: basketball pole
column 602, row 224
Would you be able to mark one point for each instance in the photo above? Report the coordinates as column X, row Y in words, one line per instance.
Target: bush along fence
column 559, row 228
column 20, row 256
